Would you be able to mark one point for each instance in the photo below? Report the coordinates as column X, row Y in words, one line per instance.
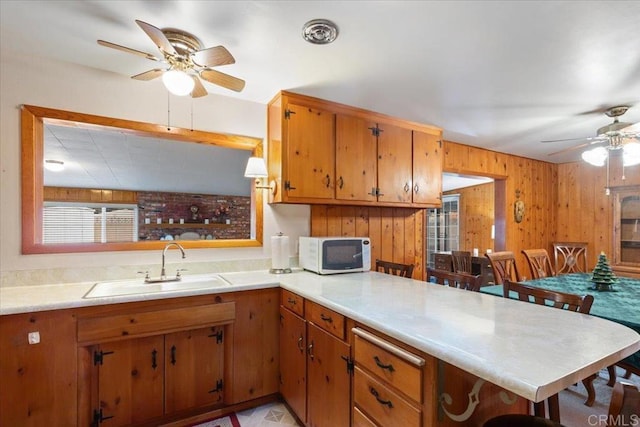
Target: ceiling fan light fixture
column 596, row 156
column 178, row 82
column 54, row 165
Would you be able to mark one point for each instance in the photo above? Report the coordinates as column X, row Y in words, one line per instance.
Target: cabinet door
column 194, row 368
column 394, row 164
column 310, row 153
column 356, row 165
column 427, row 168
column 130, row 380
column 293, row 362
column 329, row 393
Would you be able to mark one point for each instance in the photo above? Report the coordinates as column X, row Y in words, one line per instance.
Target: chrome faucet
column 163, row 273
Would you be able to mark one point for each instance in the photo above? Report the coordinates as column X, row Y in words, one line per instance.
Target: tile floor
column 269, row 415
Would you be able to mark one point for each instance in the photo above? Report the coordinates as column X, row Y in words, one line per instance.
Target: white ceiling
column 503, row 75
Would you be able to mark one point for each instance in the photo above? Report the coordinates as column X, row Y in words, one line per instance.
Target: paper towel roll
column 280, row 252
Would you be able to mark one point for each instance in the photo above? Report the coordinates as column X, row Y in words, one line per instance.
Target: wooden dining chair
column 625, row 403
column 539, row 263
column 463, row 281
column 504, row 266
column 556, row 299
column 570, row 257
column 398, row 269
column 461, row 261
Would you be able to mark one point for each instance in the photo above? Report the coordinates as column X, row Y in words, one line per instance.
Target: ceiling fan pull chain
column 168, row 111
column 191, row 114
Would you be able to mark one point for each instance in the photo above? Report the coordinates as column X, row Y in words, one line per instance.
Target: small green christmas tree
column 603, row 277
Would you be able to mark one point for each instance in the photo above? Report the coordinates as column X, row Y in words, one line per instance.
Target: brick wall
column 176, row 206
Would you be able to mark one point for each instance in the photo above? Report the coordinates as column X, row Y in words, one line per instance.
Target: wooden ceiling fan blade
column 158, row 37
column 128, row 50
column 213, row 56
column 198, row 89
column 222, row 79
column 149, row 75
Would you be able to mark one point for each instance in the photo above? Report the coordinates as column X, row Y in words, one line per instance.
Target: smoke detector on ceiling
column 320, row 31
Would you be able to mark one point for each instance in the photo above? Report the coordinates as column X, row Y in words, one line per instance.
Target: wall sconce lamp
column 257, row 169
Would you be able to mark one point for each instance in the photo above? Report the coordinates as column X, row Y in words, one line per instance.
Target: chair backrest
column 461, row 261
column 388, row 267
column 504, row 266
column 570, row 257
column 625, row 403
column 463, row 281
column 539, row 263
column 572, row 302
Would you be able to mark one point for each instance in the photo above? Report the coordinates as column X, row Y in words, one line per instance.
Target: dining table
column 621, row 304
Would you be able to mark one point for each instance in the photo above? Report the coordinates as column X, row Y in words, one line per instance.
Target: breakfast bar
column 525, row 349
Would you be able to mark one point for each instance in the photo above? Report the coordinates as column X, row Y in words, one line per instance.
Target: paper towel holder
column 284, row 270
column 257, row 169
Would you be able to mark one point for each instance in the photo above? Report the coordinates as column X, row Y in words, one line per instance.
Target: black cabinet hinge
column 98, row 418
column 288, row 113
column 287, row 186
column 98, row 356
column 219, row 335
column 349, row 362
column 375, row 131
column 219, row 387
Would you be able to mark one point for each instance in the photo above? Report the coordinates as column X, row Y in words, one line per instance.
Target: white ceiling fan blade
column 128, row 50
column 577, row 147
column 222, row 79
column 587, row 138
column 149, row 75
column 158, row 37
column 213, row 57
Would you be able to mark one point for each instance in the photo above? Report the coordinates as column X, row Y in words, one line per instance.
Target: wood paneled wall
column 476, row 216
column 397, row 234
column 565, row 202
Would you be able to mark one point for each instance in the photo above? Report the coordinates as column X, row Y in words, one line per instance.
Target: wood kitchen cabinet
column 315, row 377
column 302, row 144
column 38, row 379
column 138, row 378
column 328, row 153
column 145, row 378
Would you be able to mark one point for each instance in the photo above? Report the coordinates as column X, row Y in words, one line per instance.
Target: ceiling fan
column 187, row 60
column 616, row 134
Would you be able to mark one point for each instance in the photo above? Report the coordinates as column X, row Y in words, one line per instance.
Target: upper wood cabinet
column 328, row 153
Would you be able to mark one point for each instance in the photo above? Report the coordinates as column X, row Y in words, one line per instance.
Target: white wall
column 25, row 80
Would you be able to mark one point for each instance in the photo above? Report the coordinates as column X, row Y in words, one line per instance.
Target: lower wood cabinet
column 315, row 374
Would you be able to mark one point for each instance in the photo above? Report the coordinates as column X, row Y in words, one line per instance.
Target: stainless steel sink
column 138, row 286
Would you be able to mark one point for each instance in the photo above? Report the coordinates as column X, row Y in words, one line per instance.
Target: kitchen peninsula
column 530, row 351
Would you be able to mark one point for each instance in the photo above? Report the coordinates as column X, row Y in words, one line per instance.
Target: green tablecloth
column 621, row 306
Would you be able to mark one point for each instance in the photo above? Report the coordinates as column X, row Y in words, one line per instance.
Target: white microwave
column 331, row 255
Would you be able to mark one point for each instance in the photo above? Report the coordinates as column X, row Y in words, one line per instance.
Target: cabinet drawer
column 293, row 302
column 361, row 420
column 382, row 405
column 442, row 262
column 390, row 363
column 326, row 319
column 122, row 326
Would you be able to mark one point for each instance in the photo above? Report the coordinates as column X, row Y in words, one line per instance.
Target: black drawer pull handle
column 291, row 301
column 154, row 361
column 381, row 365
column 326, row 318
column 173, row 354
column 380, row 401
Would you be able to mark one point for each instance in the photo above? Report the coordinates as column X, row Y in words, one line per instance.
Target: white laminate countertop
column 530, row 350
